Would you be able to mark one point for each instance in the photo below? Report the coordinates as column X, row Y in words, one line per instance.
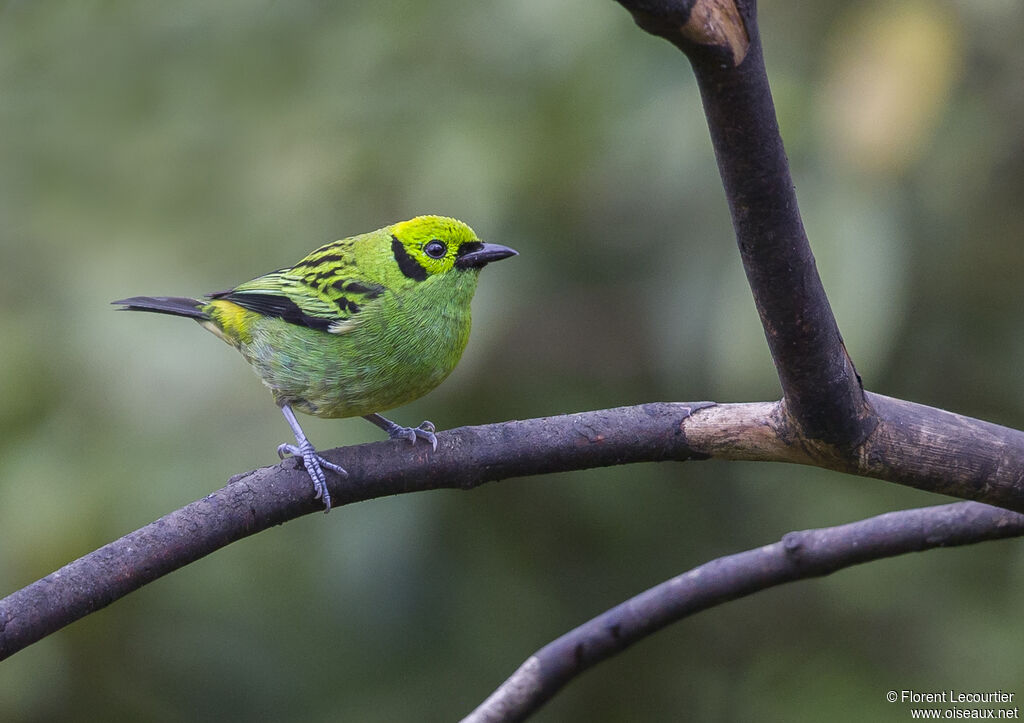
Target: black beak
column 479, row 255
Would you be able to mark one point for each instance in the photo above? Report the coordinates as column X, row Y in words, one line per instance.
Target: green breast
column 401, row 346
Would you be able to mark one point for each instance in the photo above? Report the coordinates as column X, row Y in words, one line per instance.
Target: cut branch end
column 692, row 24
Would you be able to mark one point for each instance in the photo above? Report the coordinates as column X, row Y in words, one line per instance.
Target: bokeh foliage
column 178, row 148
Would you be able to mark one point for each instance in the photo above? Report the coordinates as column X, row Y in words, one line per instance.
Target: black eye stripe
column 469, row 247
column 409, row 266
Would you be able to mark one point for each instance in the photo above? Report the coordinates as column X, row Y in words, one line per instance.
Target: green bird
column 357, row 327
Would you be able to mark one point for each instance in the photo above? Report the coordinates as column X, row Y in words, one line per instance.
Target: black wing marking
column 277, row 306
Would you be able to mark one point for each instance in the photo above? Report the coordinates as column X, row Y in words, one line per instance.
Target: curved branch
column 913, row 444
column 799, row 555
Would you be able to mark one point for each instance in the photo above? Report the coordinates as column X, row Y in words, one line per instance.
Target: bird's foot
column 425, row 432
column 314, row 464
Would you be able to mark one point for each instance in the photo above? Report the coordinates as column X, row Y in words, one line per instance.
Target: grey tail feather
column 174, row 305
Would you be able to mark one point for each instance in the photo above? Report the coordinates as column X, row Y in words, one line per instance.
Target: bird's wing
column 324, row 299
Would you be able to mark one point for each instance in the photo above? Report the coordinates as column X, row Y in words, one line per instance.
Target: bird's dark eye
column 435, row 249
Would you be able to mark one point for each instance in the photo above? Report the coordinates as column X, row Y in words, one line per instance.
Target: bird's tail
column 174, row 305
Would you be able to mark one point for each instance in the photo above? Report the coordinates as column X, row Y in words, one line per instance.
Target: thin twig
column 799, row 555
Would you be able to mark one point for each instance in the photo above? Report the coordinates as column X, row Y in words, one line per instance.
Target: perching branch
column 915, row 445
column 799, row 555
column 269, row 496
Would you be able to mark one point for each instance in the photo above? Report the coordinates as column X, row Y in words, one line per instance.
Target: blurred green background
column 179, row 148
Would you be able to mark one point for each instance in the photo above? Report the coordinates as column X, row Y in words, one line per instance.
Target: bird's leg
column 425, row 431
column 311, row 460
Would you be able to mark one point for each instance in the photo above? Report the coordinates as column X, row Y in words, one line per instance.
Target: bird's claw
column 425, row 432
column 314, row 464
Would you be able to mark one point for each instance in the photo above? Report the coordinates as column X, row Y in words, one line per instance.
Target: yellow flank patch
column 230, row 321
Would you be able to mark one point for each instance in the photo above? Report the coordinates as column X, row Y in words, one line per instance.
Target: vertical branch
column 823, row 393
